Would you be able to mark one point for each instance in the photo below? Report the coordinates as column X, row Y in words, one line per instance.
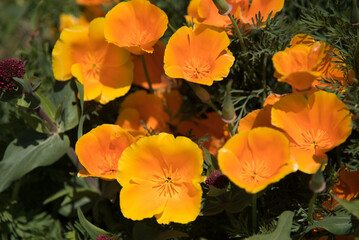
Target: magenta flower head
column 217, row 179
column 9, row 68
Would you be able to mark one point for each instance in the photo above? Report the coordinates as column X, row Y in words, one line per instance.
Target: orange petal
column 100, row 149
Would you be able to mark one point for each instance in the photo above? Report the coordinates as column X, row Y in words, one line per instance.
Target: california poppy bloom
column 141, row 107
column 314, row 126
column 160, row 176
column 298, row 65
column 100, row 150
column 69, row 20
column 198, row 55
column 105, row 70
column 253, row 159
column 135, row 25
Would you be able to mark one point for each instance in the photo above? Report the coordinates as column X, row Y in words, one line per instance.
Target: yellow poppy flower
column 105, row 70
column 160, row 176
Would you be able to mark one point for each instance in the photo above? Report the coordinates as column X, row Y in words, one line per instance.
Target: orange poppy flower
column 142, row 106
column 160, row 176
column 298, row 65
column 136, row 25
column 265, row 7
column 198, row 55
column 255, row 158
column 100, row 150
column 105, row 70
column 330, row 67
column 154, row 64
column 314, row 126
column 212, row 127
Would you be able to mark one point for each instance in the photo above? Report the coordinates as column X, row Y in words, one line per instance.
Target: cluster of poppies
column 161, row 174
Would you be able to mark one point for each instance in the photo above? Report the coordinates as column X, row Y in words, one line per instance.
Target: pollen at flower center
column 312, row 140
column 196, row 68
column 254, row 172
column 167, row 185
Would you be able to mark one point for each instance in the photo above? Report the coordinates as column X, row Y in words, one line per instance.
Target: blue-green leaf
column 91, row 229
column 29, row 151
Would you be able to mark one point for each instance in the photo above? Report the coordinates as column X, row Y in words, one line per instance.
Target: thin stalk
column 146, row 73
column 264, row 77
column 210, row 103
column 41, row 113
column 254, row 213
column 238, row 32
column 173, row 30
column 311, row 207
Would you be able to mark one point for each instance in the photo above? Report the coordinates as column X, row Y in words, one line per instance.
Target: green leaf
column 282, row 232
column 341, row 224
column 91, row 229
column 63, row 94
column 47, row 106
column 352, row 206
column 34, row 121
column 80, row 89
column 29, row 151
column 142, row 231
column 213, row 191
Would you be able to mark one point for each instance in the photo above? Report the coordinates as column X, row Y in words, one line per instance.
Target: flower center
column 139, row 38
column 109, row 165
column 167, row 184
column 312, row 140
column 254, row 172
column 196, row 68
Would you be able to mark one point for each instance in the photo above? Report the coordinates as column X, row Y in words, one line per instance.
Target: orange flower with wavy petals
column 314, row 126
column 160, row 176
column 135, row 25
column 105, row 70
column 142, row 106
column 253, row 159
column 298, row 65
column 198, row 55
column 100, row 150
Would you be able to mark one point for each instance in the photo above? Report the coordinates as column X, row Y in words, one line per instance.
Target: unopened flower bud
column 223, row 7
column 217, row 179
column 201, row 93
column 228, row 112
column 317, row 183
column 354, row 16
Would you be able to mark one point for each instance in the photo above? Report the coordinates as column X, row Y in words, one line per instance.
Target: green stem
column 311, row 207
column 254, row 213
column 264, row 77
column 210, row 103
column 173, row 30
column 146, row 73
column 238, row 32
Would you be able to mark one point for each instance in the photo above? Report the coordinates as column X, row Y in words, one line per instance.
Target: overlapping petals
column 100, row 150
column 160, row 176
column 198, row 55
column 136, row 25
column 314, row 126
column 298, row 65
column 141, row 108
column 105, row 70
column 253, row 159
